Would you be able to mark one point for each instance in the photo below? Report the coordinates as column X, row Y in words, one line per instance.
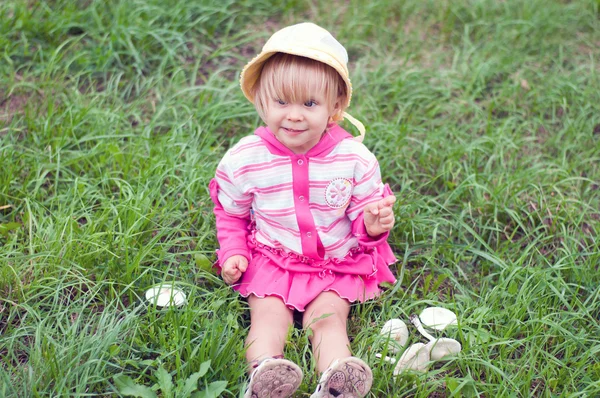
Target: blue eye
column 310, row 103
column 280, row 102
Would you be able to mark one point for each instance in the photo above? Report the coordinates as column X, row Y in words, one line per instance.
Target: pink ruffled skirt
column 297, row 282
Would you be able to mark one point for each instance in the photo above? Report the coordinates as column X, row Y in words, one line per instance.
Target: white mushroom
column 165, row 295
column 397, row 331
column 437, row 348
column 415, row 357
column 437, row 318
column 440, row 348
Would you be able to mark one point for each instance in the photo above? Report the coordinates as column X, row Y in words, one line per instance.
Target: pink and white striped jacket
column 308, row 204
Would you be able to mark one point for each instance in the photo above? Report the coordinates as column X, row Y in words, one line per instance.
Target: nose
column 294, row 114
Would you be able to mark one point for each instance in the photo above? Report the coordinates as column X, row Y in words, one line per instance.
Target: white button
column 301, row 198
column 309, row 234
column 300, row 162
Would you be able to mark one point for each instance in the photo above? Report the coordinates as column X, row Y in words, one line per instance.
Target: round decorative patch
column 338, row 193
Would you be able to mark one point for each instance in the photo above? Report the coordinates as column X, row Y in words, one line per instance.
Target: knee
column 325, row 318
column 277, row 321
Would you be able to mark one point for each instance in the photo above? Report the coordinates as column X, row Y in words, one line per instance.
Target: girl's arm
column 232, row 213
column 232, row 231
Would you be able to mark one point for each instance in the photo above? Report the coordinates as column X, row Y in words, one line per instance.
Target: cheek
column 272, row 117
column 325, row 117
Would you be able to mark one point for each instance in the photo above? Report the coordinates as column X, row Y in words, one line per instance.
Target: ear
column 336, row 108
column 337, row 105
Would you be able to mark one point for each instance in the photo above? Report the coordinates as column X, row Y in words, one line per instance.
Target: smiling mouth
column 292, row 131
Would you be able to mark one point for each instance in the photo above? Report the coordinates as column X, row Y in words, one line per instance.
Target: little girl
column 302, row 215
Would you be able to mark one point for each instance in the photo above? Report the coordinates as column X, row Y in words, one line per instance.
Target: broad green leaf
column 191, row 384
column 114, row 349
column 165, row 381
column 148, row 362
column 128, row 387
column 204, row 366
column 9, row 226
column 513, row 288
column 202, row 262
column 213, row 390
column 451, row 384
column 478, row 336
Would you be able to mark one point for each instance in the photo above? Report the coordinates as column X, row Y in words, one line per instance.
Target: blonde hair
column 293, row 78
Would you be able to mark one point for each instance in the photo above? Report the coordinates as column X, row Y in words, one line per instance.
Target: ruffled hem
column 357, row 277
column 295, row 306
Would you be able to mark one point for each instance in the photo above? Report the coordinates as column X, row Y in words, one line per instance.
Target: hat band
column 359, row 126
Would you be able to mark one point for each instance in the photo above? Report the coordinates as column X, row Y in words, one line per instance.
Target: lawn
column 485, row 117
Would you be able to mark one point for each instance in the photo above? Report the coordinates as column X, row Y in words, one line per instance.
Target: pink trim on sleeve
column 364, row 239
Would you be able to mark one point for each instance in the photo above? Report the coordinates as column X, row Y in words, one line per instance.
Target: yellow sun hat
column 306, row 40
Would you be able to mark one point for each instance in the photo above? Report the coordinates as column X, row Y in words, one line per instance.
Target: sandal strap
column 254, row 364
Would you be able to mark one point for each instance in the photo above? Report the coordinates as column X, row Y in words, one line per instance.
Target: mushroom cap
column 396, row 330
column 165, row 295
column 437, row 318
column 443, row 347
column 415, row 357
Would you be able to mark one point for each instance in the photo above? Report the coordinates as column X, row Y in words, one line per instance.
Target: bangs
column 296, row 79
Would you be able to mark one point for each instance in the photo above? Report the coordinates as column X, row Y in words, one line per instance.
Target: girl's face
column 300, row 125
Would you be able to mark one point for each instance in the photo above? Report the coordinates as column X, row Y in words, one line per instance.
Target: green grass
column 485, row 116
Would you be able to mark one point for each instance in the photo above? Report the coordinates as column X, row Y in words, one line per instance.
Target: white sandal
column 345, row 378
column 274, row 378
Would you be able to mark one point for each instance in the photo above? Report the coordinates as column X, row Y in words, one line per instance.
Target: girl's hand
column 233, row 268
column 379, row 216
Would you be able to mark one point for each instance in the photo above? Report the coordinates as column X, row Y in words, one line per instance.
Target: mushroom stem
column 415, row 321
column 386, row 358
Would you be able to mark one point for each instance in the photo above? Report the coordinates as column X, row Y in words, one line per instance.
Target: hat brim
column 251, row 72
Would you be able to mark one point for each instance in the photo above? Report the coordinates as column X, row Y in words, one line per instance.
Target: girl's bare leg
column 329, row 336
column 270, row 321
